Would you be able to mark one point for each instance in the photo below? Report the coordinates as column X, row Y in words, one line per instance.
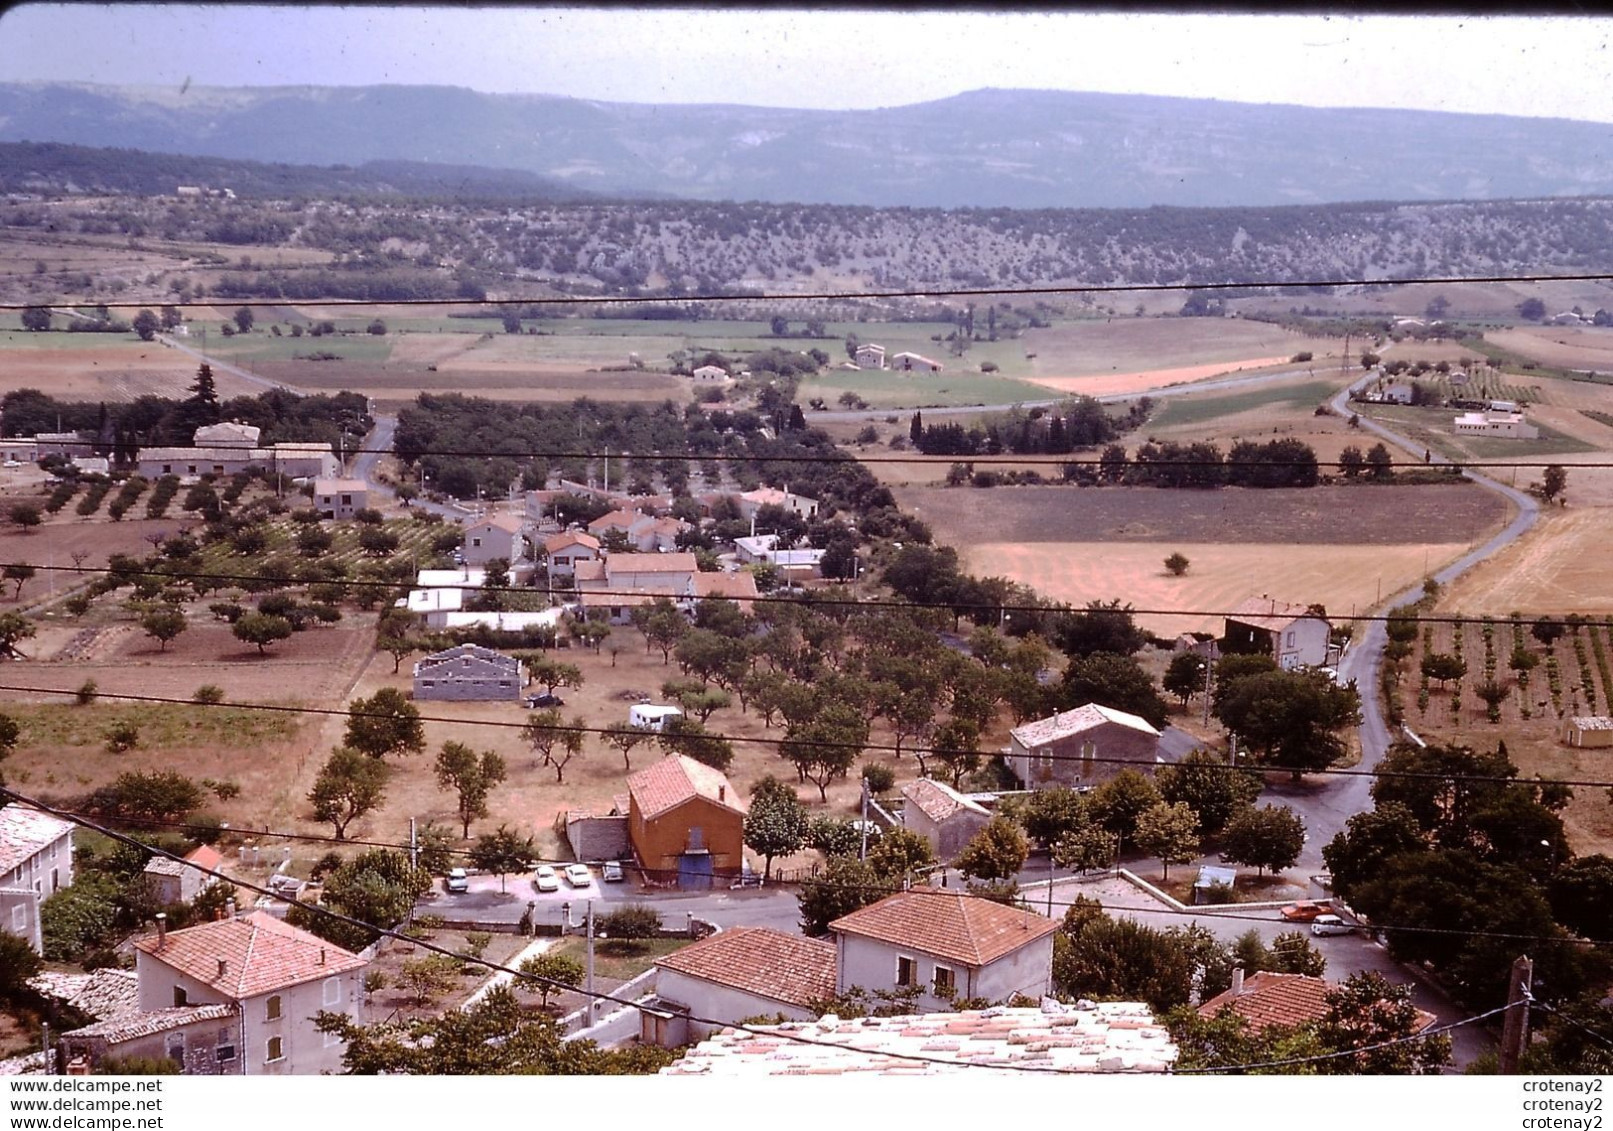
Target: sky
column 836, row 59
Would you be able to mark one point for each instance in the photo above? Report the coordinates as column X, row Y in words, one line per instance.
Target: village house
column 1082, row 747
column 180, row 881
column 619, row 583
column 564, row 551
column 711, row 373
column 949, row 945
column 738, row 973
column 65, row 444
column 233, row 997
column 1267, row 998
column 340, row 498
column 466, row 673
column 908, row 362
column 36, row 861
column 942, row 816
column 1397, row 394
column 740, row 588
column 1294, row 636
column 752, row 501
column 294, row 461
column 19, row 449
column 1086, row 1037
column 645, row 533
column 1501, row 425
column 493, row 537
column 229, row 434
column 869, row 356
column 686, row 823
column 792, row 565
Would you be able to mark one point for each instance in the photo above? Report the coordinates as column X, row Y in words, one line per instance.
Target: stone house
column 941, row 815
column 467, row 673
column 1294, row 636
column 180, row 881
column 1082, row 747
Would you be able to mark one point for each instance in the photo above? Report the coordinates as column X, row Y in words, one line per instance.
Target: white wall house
column 1503, row 425
column 739, row 973
column 1292, row 635
column 36, row 861
column 340, row 498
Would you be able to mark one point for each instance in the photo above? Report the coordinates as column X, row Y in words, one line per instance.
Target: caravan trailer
column 652, row 716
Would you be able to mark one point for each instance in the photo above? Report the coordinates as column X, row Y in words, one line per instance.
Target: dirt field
column 94, row 367
column 1118, row 347
column 1568, row 347
column 393, row 383
column 1559, row 567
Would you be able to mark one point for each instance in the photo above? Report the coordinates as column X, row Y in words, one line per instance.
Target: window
column 347, row 500
column 272, row 1009
column 946, row 982
column 1290, row 640
column 19, row 919
column 333, row 991
column 475, row 541
column 276, row 1050
column 225, row 1050
column 180, row 996
column 907, row 971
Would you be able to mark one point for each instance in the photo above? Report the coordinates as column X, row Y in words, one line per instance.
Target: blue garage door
column 694, row 871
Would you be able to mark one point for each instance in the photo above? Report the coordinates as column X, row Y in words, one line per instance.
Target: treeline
column 161, row 421
column 363, row 285
column 1080, row 423
column 1201, row 465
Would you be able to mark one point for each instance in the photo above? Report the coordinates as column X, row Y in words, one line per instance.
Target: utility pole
column 590, row 983
column 862, row 853
column 1209, row 668
column 1515, row 1027
column 414, row 846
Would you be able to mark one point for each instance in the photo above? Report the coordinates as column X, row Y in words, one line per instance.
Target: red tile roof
column 260, row 953
column 760, row 961
column 1270, row 614
column 949, row 925
column 676, row 779
column 205, row 856
column 1269, row 998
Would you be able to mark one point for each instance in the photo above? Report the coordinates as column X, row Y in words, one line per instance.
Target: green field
column 1432, row 428
column 1180, row 411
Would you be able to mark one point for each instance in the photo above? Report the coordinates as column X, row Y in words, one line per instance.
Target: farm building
column 687, row 824
column 1397, row 394
column 61, row 444
column 1503, row 425
column 468, row 672
column 869, row 356
column 942, row 816
column 229, row 434
column 909, row 362
column 1293, row 635
column 1081, row 747
column 1588, row 730
column 340, row 498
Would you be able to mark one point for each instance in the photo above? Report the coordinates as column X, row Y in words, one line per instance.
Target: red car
column 1304, row 911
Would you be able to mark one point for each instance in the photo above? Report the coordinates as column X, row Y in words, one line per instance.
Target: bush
column 122, row 738
column 635, row 921
column 880, row 777
column 86, row 693
column 209, row 694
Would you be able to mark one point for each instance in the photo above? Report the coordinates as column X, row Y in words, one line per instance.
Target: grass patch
column 610, row 961
column 160, row 725
column 1431, row 428
column 1188, row 409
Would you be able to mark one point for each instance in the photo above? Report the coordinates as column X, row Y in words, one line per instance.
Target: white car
column 612, row 872
column 1330, row 925
column 456, row 881
column 544, row 879
column 578, row 876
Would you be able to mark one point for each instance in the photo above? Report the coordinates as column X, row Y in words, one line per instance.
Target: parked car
column 1304, row 911
column 578, row 875
column 1330, row 925
column 611, row 873
column 545, row 879
column 456, row 881
column 545, row 701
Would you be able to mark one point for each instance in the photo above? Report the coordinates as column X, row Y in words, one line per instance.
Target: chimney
column 1237, row 981
column 162, row 929
column 229, row 908
column 223, row 968
column 722, row 793
column 322, row 960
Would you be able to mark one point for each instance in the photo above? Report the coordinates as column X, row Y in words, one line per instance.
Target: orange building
column 686, row 822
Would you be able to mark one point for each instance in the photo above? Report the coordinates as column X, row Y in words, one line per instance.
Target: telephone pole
column 1515, row 1028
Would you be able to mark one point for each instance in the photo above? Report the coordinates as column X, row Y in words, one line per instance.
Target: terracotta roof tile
column 676, row 779
column 153, row 1021
column 23, row 832
column 681, row 562
column 1082, row 718
column 570, row 538
column 768, row 963
column 1270, row 998
column 948, row 925
column 260, row 954
column 1268, row 613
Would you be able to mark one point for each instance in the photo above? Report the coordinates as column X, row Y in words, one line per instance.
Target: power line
column 836, row 296
column 1423, row 1036
column 1580, row 1025
column 566, row 728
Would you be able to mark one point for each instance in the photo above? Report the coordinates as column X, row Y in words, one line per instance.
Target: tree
column 348, row 786
column 1443, row 667
column 35, row 318
column 996, row 853
column 844, row 885
column 385, row 723
column 1547, row 630
column 1186, row 674
column 163, row 625
column 1100, row 627
column 379, row 886
column 899, row 855
column 835, row 837
column 779, row 325
column 776, row 824
column 244, row 319
column 1351, row 461
column 20, row 573
column 397, row 647
column 691, row 739
column 14, row 628
column 1096, row 956
column 549, row 974
column 1292, row 953
column 553, row 741
column 625, row 739
column 662, row 625
column 1553, row 481
column 827, row 745
column 1380, row 464
column 26, row 516
column 171, row 317
column 1269, row 837
column 18, row 963
column 377, row 541
column 1367, row 1011
column 1170, row 832
column 429, row 977
column 471, row 777
column 1115, row 681
column 1290, row 719
column 261, row 629
column 1048, row 814
column 1177, row 564
column 554, row 675
column 1533, row 309
column 501, row 853
column 1120, row 802
column 1210, row 787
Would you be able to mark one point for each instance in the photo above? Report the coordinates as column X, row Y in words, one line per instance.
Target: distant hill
column 990, row 148
column 55, row 168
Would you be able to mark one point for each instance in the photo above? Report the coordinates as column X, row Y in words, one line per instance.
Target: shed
column 1209, row 876
column 1588, row 730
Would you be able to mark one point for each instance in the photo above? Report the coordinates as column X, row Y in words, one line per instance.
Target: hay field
column 101, row 367
column 1122, row 348
column 1558, row 567
column 1568, row 347
column 1345, row 579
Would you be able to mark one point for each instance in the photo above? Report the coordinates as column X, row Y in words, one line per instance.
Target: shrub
column 86, row 693
column 122, row 737
column 635, row 921
column 880, row 777
column 209, row 694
